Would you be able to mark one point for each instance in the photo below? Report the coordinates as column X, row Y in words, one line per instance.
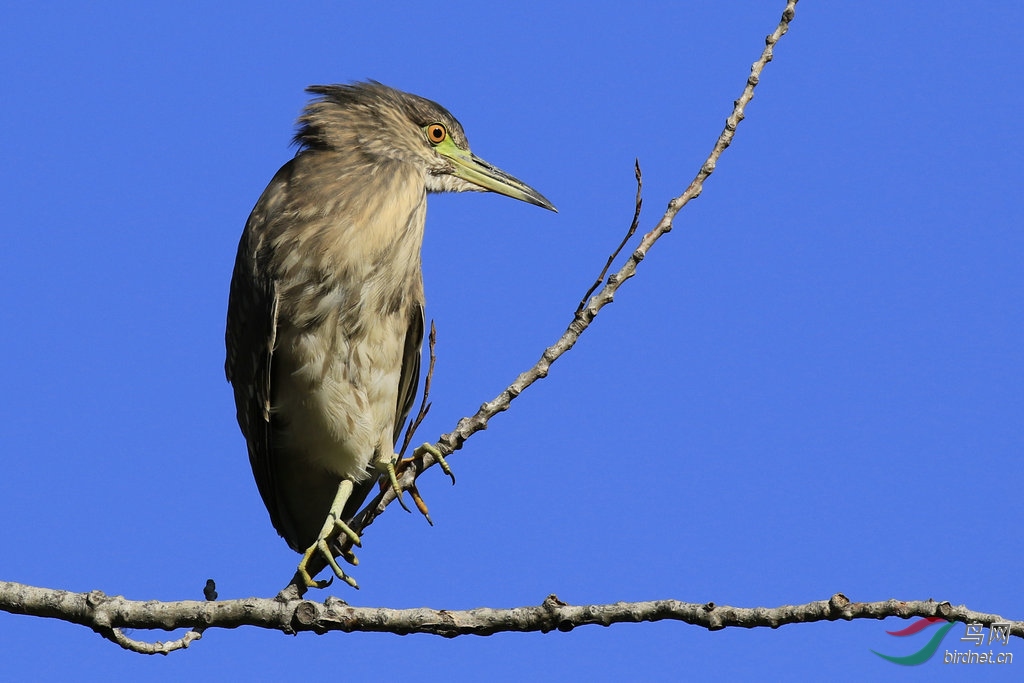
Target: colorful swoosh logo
column 926, row 652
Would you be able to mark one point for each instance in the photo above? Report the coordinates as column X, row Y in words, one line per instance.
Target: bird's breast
column 348, row 282
column 335, row 394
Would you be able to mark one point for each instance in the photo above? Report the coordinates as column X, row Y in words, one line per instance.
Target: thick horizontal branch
column 104, row 614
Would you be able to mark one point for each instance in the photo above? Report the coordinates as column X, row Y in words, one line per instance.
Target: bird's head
column 378, row 122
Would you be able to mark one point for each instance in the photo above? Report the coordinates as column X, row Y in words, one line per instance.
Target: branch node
column 95, row 598
column 305, row 613
column 552, row 601
column 838, row 602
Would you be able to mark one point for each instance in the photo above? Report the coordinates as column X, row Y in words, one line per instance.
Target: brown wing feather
column 250, row 338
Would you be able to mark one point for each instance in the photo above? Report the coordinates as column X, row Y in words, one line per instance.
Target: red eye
column 436, row 133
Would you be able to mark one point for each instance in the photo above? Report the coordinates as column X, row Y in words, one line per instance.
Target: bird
column 326, row 306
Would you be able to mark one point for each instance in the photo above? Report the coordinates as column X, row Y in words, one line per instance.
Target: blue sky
column 813, row 385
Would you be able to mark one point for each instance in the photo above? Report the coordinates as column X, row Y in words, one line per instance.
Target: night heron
column 325, row 316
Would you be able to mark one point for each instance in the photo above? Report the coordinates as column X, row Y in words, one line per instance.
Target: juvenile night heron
column 325, row 315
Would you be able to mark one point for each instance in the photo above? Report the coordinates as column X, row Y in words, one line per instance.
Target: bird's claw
column 434, row 451
column 420, row 505
column 334, row 530
column 393, row 478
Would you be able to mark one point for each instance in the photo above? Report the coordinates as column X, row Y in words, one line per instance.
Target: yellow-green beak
column 472, row 168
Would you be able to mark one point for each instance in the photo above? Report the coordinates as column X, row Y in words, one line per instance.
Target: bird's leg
column 332, row 530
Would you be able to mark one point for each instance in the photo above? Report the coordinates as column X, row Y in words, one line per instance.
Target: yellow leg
column 333, row 528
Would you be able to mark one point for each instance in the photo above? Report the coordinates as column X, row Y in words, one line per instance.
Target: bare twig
column 629, row 233
column 467, row 426
column 101, row 624
column 424, row 406
column 160, row 647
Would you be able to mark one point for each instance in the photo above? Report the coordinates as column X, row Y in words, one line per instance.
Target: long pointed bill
column 472, row 168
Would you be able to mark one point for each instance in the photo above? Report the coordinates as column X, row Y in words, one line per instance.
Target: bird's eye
column 436, row 133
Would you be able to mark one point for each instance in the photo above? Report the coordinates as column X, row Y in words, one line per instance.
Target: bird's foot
column 413, row 491
column 337, row 534
column 433, row 450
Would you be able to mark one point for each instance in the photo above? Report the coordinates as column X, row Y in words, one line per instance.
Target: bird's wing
column 250, row 338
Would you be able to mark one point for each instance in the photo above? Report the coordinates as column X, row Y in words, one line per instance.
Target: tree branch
column 467, row 426
column 108, row 614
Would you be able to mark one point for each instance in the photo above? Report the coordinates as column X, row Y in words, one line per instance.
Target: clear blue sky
column 813, row 385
